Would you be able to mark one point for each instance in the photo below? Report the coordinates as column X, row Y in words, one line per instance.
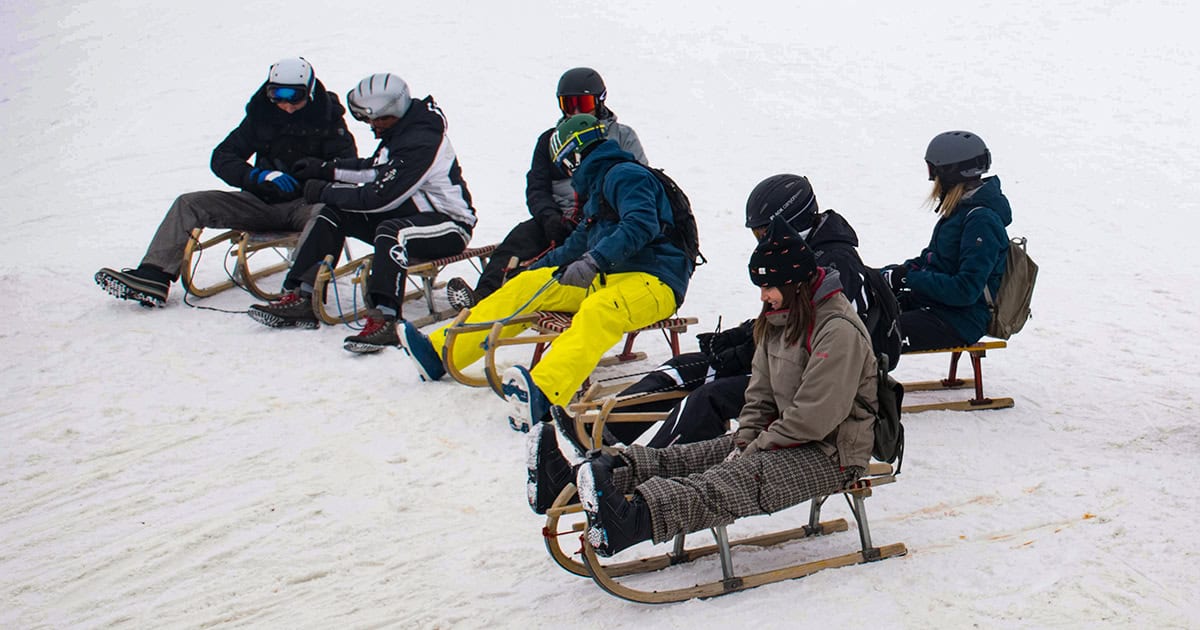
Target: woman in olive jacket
column 804, row 432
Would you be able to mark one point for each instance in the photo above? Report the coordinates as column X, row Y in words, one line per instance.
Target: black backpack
column 889, row 431
column 685, row 234
column 883, row 317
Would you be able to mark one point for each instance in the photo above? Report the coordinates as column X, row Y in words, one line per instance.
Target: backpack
column 1010, row 306
column 685, row 234
column 889, row 431
column 883, row 317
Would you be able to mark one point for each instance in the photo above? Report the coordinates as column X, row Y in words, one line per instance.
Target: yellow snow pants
column 603, row 314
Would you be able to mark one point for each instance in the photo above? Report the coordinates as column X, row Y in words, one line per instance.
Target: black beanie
column 782, row 258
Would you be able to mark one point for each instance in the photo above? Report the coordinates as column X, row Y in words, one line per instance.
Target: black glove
column 557, row 230
column 579, row 273
column 313, row 168
column 313, row 189
column 896, row 277
column 730, row 352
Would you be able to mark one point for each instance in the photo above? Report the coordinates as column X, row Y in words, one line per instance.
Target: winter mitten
column 313, row 168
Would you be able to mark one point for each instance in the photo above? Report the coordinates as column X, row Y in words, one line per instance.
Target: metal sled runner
column 422, row 276
column 605, row 576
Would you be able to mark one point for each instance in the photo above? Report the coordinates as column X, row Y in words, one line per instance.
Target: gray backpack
column 1010, row 306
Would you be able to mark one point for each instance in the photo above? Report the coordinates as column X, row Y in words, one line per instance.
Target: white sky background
column 189, row 468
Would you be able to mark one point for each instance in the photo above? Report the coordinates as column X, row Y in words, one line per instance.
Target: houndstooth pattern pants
column 689, row 487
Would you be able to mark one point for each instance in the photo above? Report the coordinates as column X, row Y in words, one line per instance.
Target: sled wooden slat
column 422, row 277
column 976, row 352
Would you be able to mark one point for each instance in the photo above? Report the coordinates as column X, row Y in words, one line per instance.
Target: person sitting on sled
column 617, row 272
column 805, row 431
column 548, row 192
column 290, row 117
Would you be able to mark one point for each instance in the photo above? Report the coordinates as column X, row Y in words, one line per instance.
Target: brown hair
column 798, row 302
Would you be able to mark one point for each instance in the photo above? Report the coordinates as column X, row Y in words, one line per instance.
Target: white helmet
column 294, row 72
column 379, row 95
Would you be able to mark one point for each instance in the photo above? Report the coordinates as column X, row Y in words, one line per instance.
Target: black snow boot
column 614, row 523
column 293, row 309
column 459, row 294
column 378, row 333
column 147, row 285
column 547, row 470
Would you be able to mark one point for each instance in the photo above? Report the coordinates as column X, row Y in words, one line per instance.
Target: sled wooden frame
column 605, row 576
column 976, row 352
column 244, row 244
column 422, row 276
column 547, row 326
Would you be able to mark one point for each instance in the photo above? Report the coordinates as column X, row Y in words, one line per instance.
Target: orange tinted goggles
column 577, row 103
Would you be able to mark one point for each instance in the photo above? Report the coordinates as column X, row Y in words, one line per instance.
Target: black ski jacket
column 277, row 139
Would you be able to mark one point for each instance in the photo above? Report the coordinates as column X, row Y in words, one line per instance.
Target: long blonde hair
column 945, row 201
column 799, row 305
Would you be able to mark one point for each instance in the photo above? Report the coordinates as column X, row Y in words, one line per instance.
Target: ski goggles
column 578, row 103
column 286, row 94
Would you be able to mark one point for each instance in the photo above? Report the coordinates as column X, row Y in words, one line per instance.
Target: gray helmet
column 292, row 72
column 379, row 95
column 957, row 156
column 788, row 196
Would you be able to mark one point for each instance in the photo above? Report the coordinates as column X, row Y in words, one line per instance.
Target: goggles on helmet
column 577, row 103
column 286, row 94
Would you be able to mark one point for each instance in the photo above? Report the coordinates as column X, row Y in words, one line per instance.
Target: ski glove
column 313, row 168
column 580, row 273
column 896, row 277
column 556, row 228
column 313, row 189
column 729, row 352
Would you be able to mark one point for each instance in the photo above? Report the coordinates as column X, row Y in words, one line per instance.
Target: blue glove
column 283, row 182
column 580, row 273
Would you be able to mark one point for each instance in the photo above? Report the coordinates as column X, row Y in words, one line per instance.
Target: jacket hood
column 833, row 229
column 323, row 106
column 988, row 195
column 604, row 156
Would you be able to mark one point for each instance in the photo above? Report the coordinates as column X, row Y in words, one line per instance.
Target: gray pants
column 221, row 209
column 688, row 487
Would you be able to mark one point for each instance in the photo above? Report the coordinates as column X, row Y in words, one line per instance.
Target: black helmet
column 957, row 156
column 580, row 91
column 786, row 195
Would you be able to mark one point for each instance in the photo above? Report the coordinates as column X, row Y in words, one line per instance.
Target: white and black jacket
column 414, row 161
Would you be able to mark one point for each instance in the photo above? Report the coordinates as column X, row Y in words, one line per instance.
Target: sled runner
column 422, row 277
column 977, row 352
column 547, row 326
column 274, row 249
column 605, row 576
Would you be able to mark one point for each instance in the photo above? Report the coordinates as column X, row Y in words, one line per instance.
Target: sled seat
column 422, row 278
column 977, row 351
column 547, row 326
column 605, row 576
column 243, row 247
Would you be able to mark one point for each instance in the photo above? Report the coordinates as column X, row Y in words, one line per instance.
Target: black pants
column 398, row 236
column 525, row 242
column 703, row 415
column 921, row 329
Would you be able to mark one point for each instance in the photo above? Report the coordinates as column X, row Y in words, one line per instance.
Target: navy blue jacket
column 633, row 240
column 967, row 251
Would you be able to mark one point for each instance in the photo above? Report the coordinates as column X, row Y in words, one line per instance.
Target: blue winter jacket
column 633, row 240
column 967, row 251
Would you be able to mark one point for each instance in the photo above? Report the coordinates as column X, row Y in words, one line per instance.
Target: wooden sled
column 243, row 246
column 605, row 576
column 422, row 277
column 547, row 326
column 977, row 352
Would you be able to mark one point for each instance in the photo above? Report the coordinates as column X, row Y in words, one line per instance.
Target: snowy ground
column 186, row 468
